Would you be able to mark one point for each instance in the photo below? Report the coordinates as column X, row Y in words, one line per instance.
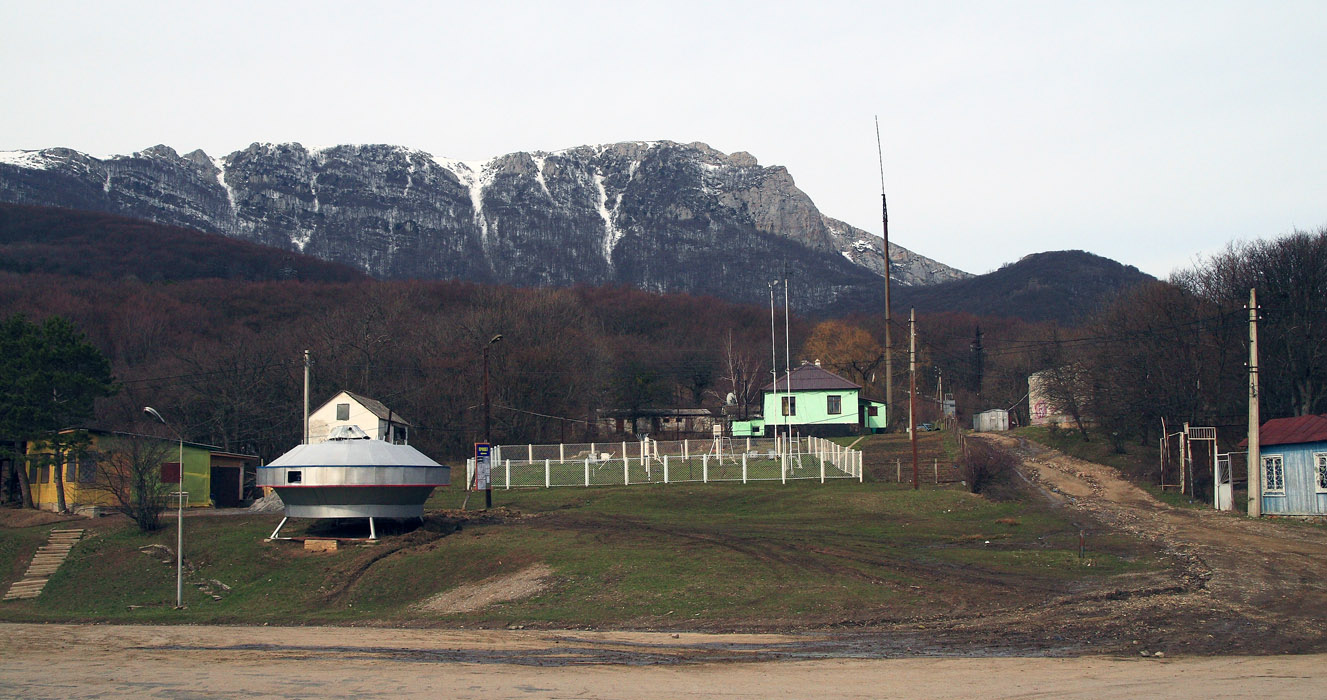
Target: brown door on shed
column 226, row 487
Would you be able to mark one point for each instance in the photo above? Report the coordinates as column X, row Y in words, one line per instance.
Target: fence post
column 529, row 452
column 562, row 452
column 861, row 466
column 705, row 469
column 665, row 469
column 686, row 449
column 507, row 464
column 898, row 470
column 594, row 450
column 822, row 471
column 548, row 474
column 626, row 472
column 587, row 473
column 625, row 456
column 744, row 463
column 935, row 466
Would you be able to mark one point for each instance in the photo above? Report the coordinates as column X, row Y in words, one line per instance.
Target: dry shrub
column 985, row 464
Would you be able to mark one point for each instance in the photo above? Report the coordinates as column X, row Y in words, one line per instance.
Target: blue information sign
column 483, row 465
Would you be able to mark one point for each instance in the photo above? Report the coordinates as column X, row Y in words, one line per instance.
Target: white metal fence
column 669, row 462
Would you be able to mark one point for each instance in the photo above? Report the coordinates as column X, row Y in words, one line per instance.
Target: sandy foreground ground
column 93, row 661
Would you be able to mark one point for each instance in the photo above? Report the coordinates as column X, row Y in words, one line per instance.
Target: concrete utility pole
column 306, row 397
column 488, row 424
column 912, row 394
column 889, row 347
column 1255, row 458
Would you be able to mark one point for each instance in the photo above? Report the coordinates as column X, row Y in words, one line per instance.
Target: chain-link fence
column 669, row 461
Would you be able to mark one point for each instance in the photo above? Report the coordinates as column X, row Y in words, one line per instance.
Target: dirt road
column 1241, row 585
column 1238, row 608
column 70, row 661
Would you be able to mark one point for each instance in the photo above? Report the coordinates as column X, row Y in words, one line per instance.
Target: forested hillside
column 103, row 246
column 226, row 356
column 1066, row 286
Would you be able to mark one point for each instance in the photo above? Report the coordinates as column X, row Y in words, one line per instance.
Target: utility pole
column 787, row 375
column 488, row 424
column 306, row 397
column 912, row 394
column 1255, row 456
column 889, row 349
column 773, row 360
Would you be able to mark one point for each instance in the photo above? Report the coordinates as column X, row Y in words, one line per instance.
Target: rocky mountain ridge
column 658, row 215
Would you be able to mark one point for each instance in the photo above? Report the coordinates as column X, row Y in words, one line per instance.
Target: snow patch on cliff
column 475, row 176
column 612, row 235
column 539, row 172
column 25, row 159
column 220, row 165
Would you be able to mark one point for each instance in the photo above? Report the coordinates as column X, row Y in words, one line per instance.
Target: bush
column 984, row 464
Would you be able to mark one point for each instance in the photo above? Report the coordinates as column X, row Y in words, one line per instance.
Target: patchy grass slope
column 719, row 556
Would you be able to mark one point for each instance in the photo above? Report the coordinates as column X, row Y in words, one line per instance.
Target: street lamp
column 488, row 422
column 179, row 522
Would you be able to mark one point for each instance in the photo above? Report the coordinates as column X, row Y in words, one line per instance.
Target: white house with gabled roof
column 370, row 415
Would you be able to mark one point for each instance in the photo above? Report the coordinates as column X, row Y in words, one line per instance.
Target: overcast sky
column 1147, row 132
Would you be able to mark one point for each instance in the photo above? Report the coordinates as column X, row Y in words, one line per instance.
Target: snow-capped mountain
column 660, row 215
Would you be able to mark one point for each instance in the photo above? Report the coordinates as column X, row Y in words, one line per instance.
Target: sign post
column 484, row 471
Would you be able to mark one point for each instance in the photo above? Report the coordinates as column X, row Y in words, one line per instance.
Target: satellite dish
column 732, row 399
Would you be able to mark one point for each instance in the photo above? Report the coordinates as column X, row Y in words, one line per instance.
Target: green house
column 813, row 401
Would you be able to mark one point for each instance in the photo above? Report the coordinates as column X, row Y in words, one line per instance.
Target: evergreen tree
column 50, row 377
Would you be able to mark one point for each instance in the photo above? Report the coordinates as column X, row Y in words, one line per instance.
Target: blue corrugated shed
column 1294, row 466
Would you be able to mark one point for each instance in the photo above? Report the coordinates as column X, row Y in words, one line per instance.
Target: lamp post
column 488, row 422
column 179, row 522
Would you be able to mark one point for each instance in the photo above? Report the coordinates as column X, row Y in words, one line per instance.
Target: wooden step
column 45, row 561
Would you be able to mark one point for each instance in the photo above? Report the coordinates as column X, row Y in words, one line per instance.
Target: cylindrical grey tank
column 353, row 476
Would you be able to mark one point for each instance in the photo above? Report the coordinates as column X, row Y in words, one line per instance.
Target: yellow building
column 212, row 477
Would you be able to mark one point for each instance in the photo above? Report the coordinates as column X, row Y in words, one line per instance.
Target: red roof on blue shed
column 1293, row 431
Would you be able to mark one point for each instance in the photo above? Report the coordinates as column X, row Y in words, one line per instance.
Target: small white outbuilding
column 995, row 419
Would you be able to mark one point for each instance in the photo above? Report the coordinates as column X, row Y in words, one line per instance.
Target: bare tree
column 983, row 464
column 1290, row 274
column 128, row 472
column 1065, row 382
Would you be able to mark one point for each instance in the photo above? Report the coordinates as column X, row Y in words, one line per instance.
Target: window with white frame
column 1320, row 472
column 1273, row 475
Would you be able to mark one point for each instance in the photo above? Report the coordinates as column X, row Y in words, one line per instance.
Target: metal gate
column 1223, row 488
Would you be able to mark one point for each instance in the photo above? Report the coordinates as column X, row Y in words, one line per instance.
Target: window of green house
column 790, row 405
column 834, row 405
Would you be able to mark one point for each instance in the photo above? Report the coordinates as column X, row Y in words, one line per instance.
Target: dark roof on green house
column 810, row 377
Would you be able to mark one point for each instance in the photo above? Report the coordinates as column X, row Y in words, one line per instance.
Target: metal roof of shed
column 1293, row 431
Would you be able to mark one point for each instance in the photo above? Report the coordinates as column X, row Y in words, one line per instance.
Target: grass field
column 717, row 556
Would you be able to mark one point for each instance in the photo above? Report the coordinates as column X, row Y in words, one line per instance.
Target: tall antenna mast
column 773, row 356
column 889, row 348
column 787, row 371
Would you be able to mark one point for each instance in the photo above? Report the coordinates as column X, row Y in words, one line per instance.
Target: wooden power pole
column 889, row 348
column 912, row 394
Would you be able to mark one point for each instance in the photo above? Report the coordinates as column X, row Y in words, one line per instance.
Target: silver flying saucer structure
column 353, row 476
